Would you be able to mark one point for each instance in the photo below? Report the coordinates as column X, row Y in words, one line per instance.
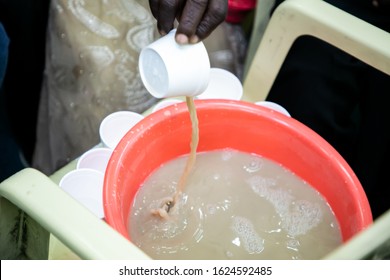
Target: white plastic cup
column 165, row 103
column 223, row 84
column 85, row 186
column 96, row 159
column 168, row 69
column 274, row 106
column 116, row 125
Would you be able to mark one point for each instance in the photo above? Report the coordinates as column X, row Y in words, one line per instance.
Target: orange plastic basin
column 166, row 134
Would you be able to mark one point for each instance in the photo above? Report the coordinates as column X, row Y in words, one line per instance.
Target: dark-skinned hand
column 196, row 18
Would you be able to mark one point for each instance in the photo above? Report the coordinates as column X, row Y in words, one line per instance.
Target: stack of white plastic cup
column 116, row 125
column 165, row 103
column 85, row 183
column 96, row 159
column 86, row 186
column 223, row 84
column 274, row 107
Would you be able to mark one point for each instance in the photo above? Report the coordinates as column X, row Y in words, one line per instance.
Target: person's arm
column 196, row 18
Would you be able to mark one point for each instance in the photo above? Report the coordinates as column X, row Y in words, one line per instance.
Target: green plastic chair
column 40, row 221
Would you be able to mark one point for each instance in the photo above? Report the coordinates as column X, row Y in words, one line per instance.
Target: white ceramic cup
column 86, row 186
column 223, row 84
column 96, row 158
column 116, row 125
column 274, row 106
column 168, row 69
column 165, row 102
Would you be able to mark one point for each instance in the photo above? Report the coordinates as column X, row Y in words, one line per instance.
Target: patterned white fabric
column 91, row 70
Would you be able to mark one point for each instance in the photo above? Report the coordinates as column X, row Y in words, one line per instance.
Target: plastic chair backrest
column 295, row 18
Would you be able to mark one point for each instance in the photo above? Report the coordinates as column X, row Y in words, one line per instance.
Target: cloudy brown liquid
column 234, row 206
column 193, row 146
column 166, row 204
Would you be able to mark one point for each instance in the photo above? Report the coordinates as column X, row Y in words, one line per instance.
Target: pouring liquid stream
column 170, row 202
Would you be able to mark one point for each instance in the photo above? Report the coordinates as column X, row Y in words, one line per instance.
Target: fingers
column 189, row 20
column 199, row 18
column 153, row 4
column 214, row 16
column 164, row 11
column 196, row 18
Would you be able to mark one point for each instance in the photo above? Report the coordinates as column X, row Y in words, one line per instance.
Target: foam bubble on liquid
column 213, row 208
column 248, row 236
column 302, row 217
column 261, row 185
column 216, row 176
column 227, row 154
column 297, row 216
column 266, row 188
column 293, row 244
column 254, row 165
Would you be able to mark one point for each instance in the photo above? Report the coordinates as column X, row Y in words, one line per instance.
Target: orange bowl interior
column 166, row 134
